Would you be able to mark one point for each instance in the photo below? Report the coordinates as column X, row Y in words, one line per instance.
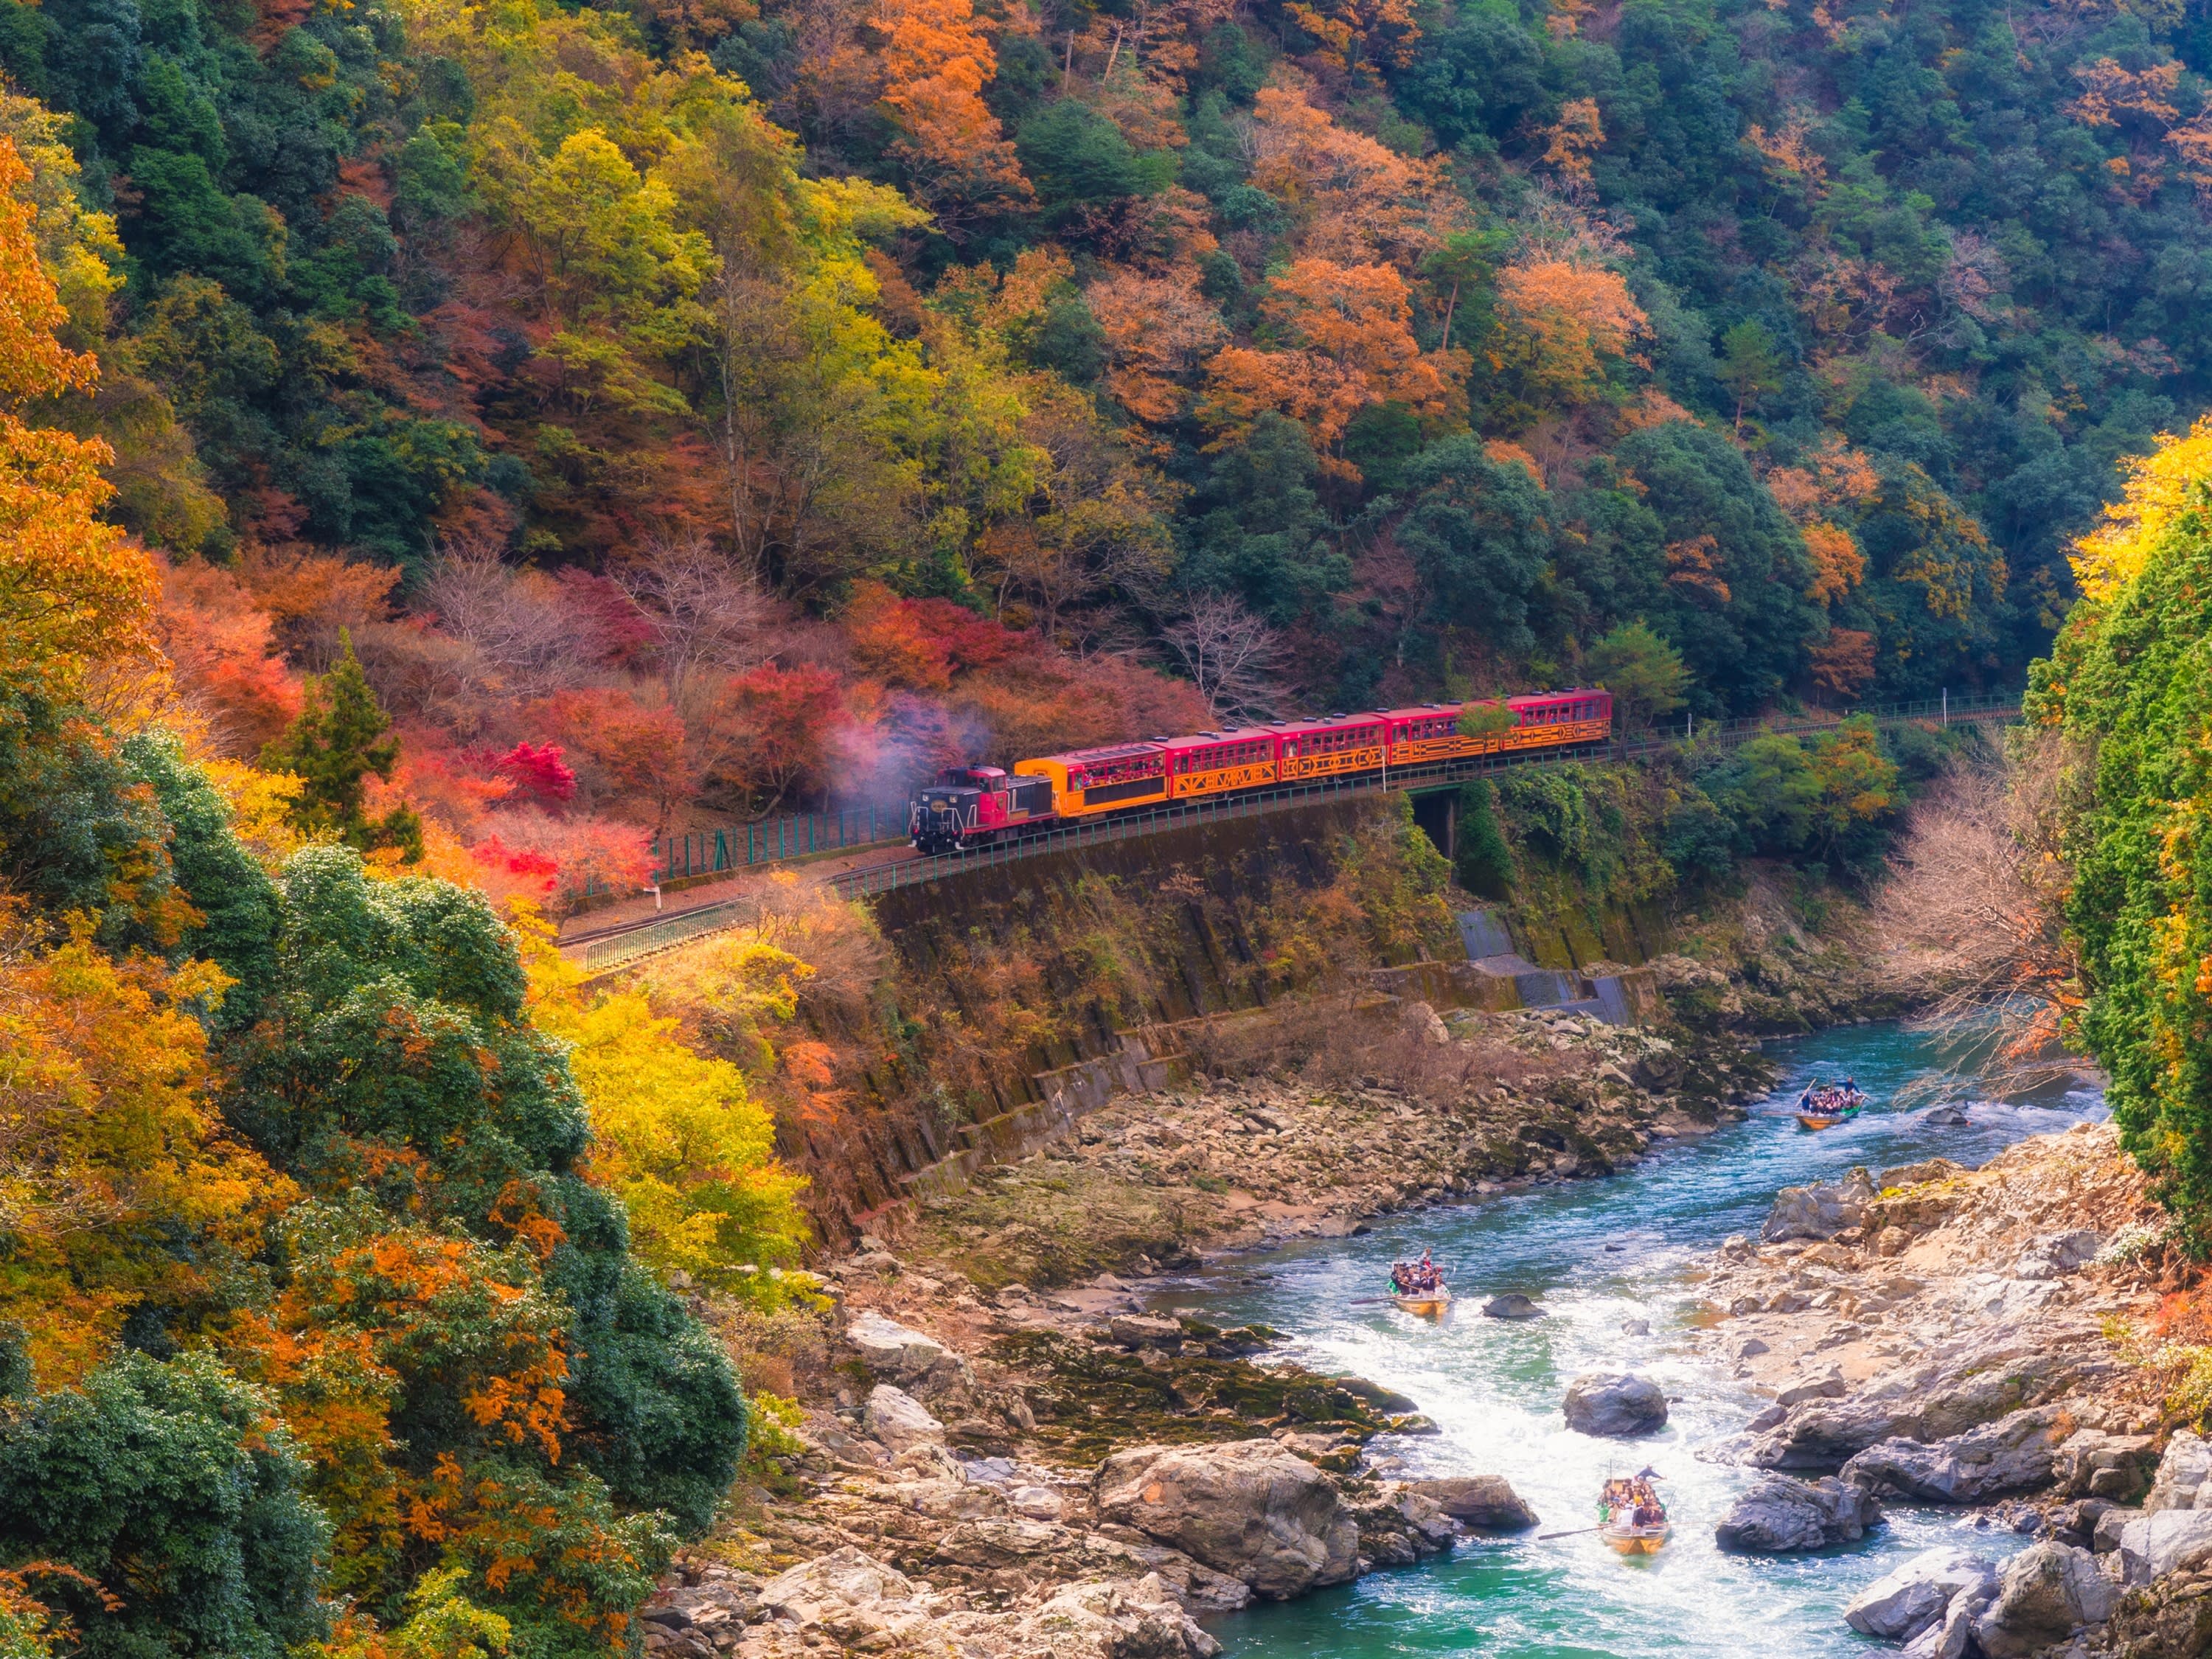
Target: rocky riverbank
column 996, row 1450
column 1935, row 1335
column 1439, row 1109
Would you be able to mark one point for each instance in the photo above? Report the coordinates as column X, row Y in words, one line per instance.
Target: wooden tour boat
column 1819, row 1108
column 1632, row 1516
column 1431, row 1304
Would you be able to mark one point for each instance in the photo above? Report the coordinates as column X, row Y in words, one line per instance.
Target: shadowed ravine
column 1495, row 1388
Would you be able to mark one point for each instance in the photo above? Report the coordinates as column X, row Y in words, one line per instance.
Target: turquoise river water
column 1495, row 1388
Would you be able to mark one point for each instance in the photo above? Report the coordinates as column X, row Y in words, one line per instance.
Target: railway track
column 890, row 867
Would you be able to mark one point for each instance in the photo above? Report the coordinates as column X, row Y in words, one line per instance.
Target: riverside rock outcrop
column 1777, row 1515
column 2014, row 1454
column 1250, row 1509
column 1920, row 1596
column 1485, row 1503
column 2044, row 1594
column 1913, row 1352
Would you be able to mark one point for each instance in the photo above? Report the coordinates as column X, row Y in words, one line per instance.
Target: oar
column 1368, row 1301
column 1543, row 1536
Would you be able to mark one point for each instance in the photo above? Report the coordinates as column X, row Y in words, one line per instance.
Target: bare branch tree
column 707, row 611
column 1971, row 915
column 1229, row 654
column 518, row 623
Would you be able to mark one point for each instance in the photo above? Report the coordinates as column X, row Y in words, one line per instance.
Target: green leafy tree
column 2129, row 685
column 1263, row 534
column 396, row 1054
column 1478, row 534
column 1643, row 672
column 1749, row 366
column 342, row 739
column 174, row 1488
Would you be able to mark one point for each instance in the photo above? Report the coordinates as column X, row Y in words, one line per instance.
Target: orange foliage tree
column 1560, row 319
column 935, row 60
column 1350, row 337
column 73, row 591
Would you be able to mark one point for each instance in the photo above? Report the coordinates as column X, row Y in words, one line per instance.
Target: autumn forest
column 444, row 446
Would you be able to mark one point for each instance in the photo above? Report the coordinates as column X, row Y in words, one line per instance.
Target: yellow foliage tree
column 681, row 1141
column 107, row 1143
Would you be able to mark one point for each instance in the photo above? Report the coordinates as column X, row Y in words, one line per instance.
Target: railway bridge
column 1434, row 789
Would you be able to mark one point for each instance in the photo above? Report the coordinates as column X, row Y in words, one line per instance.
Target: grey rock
column 2152, row 1545
column 1143, row 1331
column 849, row 1596
column 1820, row 1211
column 2013, row 1454
column 2057, row 1254
column 1249, row 1509
column 1115, row 1620
column 2046, row 1592
column 1946, row 1117
column 1827, row 1386
column 2091, row 1463
column 1824, row 1434
column 1512, row 1305
column 1636, row 1328
column 2183, row 1470
column 1614, row 1406
column 1779, row 1514
column 899, row 1421
column 2110, row 1525
column 1484, row 1502
column 1909, row 1599
column 891, row 1350
column 1951, row 1636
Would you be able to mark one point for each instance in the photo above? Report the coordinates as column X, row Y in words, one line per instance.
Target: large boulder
column 1779, row 1514
column 892, row 1351
column 2091, row 1463
column 2152, row 1545
column 2013, row 1454
column 1820, row 1211
column 2047, row 1591
column 1826, row 1434
column 1483, row 1501
column 1614, row 1404
column 899, row 1421
column 1512, row 1305
column 2184, row 1472
column 1249, row 1509
column 849, row 1597
column 1910, row 1599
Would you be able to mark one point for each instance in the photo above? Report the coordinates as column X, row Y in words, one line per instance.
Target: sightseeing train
column 970, row 807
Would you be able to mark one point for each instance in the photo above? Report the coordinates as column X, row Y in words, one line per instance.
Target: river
column 1597, row 1253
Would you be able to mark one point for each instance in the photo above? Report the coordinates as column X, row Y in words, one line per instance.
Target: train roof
column 1110, row 752
column 1232, row 734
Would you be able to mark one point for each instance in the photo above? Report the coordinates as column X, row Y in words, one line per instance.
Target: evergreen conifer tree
column 342, row 737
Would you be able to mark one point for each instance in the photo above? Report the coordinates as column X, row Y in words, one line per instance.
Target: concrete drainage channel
column 1609, row 997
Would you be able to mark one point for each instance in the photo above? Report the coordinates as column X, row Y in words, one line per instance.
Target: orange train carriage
column 976, row 806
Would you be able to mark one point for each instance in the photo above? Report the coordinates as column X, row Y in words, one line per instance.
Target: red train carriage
column 976, row 805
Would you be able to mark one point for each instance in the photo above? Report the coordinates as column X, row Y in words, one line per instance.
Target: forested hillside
column 336, row 1221
column 707, row 407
